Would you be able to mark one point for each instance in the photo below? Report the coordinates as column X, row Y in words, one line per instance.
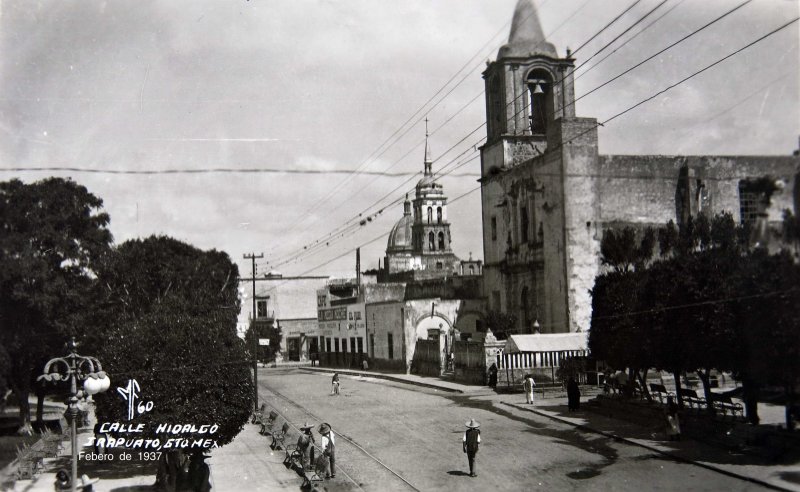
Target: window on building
column 441, row 241
column 438, row 215
column 344, row 345
column 390, row 343
column 353, row 344
column 430, row 215
column 431, row 241
column 360, row 341
column 358, row 315
column 320, row 301
column 523, row 224
column 336, row 344
column 350, row 316
column 750, row 202
column 472, row 269
column 327, row 344
column 261, row 308
column 439, row 265
column 494, row 228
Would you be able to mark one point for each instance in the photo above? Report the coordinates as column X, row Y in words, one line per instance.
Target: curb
column 626, row 440
column 387, row 377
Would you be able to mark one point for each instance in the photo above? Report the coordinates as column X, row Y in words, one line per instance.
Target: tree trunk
column 705, row 378
column 24, row 410
column 750, row 397
column 678, row 397
column 40, row 406
column 643, row 383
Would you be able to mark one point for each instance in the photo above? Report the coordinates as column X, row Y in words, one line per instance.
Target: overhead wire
column 619, row 16
column 666, row 89
column 564, row 22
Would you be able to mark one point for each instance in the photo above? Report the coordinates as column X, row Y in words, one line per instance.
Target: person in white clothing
column 527, row 385
column 328, row 444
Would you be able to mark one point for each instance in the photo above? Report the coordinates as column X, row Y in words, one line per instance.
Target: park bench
column 724, row 404
column 258, row 415
column 660, row 391
column 268, row 423
column 690, row 396
column 279, row 437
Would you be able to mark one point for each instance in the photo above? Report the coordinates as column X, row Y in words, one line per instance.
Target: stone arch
column 540, row 98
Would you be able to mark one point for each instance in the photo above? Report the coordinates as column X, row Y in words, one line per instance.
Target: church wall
column 641, row 188
column 578, row 152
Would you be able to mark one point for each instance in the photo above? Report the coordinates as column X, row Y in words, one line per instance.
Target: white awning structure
column 549, row 342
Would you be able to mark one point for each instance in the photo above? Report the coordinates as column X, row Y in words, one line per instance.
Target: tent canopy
column 549, row 342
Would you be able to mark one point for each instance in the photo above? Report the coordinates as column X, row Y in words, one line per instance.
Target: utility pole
column 253, row 257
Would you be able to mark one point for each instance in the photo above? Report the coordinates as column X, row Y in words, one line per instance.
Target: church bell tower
column 527, row 88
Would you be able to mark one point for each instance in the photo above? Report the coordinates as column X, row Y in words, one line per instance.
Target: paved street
column 416, row 432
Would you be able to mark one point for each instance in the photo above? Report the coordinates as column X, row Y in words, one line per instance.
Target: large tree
column 267, row 330
column 170, row 312
column 54, row 236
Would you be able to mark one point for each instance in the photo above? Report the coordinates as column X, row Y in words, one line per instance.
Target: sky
column 331, row 86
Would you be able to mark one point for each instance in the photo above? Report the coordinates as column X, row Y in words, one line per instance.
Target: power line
column 417, row 112
column 684, row 38
column 306, row 214
column 645, row 28
column 581, row 46
column 631, row 108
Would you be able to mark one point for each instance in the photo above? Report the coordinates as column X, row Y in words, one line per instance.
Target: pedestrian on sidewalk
column 470, row 443
column 493, row 376
column 527, row 385
column 573, row 395
column 328, row 444
column 305, row 444
column 673, row 423
column 335, row 384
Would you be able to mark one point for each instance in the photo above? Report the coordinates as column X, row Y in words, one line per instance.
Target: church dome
column 400, row 237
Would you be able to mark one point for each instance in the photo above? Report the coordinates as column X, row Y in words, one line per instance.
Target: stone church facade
column 548, row 196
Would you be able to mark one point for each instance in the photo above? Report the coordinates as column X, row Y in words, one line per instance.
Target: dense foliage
column 268, row 330
column 501, row 324
column 53, row 236
column 169, row 321
column 707, row 302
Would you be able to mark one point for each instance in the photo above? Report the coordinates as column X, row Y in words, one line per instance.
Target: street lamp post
column 75, row 368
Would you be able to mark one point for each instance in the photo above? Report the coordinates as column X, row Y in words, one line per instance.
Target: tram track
column 358, row 462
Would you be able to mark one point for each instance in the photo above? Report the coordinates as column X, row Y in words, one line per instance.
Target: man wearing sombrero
column 305, row 444
column 471, row 441
column 328, row 448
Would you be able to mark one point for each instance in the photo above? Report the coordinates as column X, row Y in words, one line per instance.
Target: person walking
column 673, row 423
column 328, row 443
column 493, row 376
column 573, row 395
column 470, row 443
column 527, row 385
column 305, row 444
column 335, row 384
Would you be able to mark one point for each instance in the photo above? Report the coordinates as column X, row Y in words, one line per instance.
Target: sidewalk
column 245, row 464
column 749, row 468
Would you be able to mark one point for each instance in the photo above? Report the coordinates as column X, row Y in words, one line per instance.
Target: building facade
column 547, row 195
column 287, row 303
